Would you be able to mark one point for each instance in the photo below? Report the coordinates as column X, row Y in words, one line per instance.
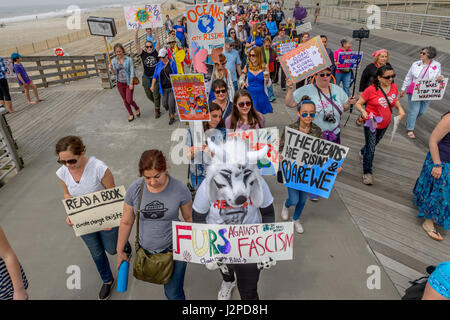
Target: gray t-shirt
column 158, row 210
column 121, row 75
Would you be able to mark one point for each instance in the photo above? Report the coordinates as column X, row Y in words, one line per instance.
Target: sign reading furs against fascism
column 190, row 96
column 429, row 90
column 244, row 243
column 309, row 163
column 205, row 24
column 305, row 60
column 303, row 28
column 95, row 211
column 349, row 60
column 256, row 140
column 144, row 16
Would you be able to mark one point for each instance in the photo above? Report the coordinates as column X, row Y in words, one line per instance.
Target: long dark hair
column 253, row 116
column 380, row 72
column 237, row 43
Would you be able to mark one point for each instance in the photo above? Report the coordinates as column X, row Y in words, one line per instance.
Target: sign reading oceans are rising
column 309, row 163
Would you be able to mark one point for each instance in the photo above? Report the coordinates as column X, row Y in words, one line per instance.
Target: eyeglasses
column 311, row 114
column 244, row 103
column 389, row 77
column 220, row 91
column 323, row 75
column 70, row 161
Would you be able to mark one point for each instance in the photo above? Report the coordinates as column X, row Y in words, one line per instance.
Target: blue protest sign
column 349, row 60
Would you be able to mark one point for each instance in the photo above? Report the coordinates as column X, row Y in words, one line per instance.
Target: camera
column 329, row 118
column 361, row 33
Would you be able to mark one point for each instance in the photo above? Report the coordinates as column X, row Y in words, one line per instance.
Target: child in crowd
column 24, row 79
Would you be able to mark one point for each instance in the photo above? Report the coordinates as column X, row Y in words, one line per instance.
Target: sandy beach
column 20, row 34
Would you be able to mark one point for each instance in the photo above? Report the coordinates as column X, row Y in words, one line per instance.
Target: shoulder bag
column 412, row 85
column 154, row 268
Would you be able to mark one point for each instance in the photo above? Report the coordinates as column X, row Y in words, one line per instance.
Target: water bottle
column 122, row 280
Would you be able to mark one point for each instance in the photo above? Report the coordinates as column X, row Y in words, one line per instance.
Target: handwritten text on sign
column 144, row 16
column 249, row 243
column 349, row 60
column 9, row 68
column 95, row 211
column 309, row 163
column 429, row 90
column 205, row 25
column 303, row 28
column 257, row 139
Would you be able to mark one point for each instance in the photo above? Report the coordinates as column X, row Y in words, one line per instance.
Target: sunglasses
column 389, row 77
column 252, row 55
column 149, row 47
column 423, row 53
column 305, row 114
column 323, row 75
column 244, row 103
column 70, row 161
column 220, row 91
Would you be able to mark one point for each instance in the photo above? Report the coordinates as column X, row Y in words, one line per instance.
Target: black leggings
column 4, row 90
column 247, row 279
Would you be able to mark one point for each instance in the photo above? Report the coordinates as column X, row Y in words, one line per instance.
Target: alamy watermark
column 73, row 22
column 374, row 280
column 374, row 20
column 73, row 282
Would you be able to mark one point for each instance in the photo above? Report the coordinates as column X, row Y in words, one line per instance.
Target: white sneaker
column 225, row 290
column 298, row 226
column 285, row 213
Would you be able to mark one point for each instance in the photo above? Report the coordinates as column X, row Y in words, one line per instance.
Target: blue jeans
column 235, row 85
column 98, row 243
column 416, row 109
column 297, row 198
column 346, row 79
column 174, row 288
column 368, row 151
column 196, row 181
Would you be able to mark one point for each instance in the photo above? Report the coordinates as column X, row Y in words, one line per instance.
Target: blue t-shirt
column 152, row 39
column 258, row 40
column 323, row 106
column 232, row 60
column 180, row 31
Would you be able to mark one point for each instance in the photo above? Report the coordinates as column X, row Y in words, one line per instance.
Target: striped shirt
column 6, row 285
column 3, row 69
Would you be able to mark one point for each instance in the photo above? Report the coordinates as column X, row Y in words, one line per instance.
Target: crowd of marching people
column 241, row 93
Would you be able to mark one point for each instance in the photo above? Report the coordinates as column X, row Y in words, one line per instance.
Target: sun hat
column 162, row 53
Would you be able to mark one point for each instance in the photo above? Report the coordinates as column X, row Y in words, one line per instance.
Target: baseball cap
column 15, row 55
column 229, row 40
column 162, row 53
column 240, row 23
column 233, row 18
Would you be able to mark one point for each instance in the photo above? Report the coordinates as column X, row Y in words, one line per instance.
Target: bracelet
column 435, row 165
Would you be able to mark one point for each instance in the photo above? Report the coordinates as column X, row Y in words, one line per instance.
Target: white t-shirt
column 91, row 180
column 220, row 213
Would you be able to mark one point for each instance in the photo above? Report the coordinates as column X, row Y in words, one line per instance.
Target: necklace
column 253, row 68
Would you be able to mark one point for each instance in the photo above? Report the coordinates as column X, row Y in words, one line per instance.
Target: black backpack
column 415, row 292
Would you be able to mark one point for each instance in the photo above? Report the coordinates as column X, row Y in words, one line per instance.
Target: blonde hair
column 378, row 57
column 255, row 29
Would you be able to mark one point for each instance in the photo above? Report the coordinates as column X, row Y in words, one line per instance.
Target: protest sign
column 248, row 243
column 143, row 16
column 95, row 211
column 9, row 68
column 283, row 47
column 305, row 60
column 256, row 140
column 303, row 28
column 349, row 60
column 429, row 90
column 264, row 8
column 101, row 26
column 190, row 96
column 309, row 163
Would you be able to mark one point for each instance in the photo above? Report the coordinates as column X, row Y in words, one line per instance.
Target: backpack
column 417, row 288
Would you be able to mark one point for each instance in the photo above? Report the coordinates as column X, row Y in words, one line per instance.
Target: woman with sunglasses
column 306, row 112
column 161, row 197
column 220, row 89
column 379, row 98
column 80, row 175
column 256, row 37
column 428, row 69
column 244, row 115
column 237, row 45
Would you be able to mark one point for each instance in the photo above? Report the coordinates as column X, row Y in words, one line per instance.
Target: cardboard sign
column 245, row 243
column 264, row 8
column 59, row 52
column 205, row 24
column 429, row 90
column 95, row 211
column 257, row 139
column 305, row 60
column 349, row 60
column 9, row 68
column 309, row 164
column 286, row 47
column 303, row 28
column 101, row 26
column 144, row 16
column 190, row 96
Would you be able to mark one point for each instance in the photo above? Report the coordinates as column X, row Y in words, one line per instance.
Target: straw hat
column 171, row 39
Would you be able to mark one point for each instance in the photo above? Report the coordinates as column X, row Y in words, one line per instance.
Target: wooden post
column 74, row 74
column 59, row 70
column 41, row 72
column 107, row 50
column 85, row 66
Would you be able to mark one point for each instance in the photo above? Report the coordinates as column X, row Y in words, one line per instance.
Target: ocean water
column 25, row 10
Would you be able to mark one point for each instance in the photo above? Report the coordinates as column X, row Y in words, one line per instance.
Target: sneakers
column 157, row 113
column 367, row 179
column 285, row 213
column 298, row 226
column 105, row 291
column 313, row 197
column 225, row 290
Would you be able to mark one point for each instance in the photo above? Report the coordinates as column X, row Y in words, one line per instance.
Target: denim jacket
column 128, row 66
column 157, row 75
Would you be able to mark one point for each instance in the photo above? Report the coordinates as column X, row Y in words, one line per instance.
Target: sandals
column 131, row 118
column 138, row 113
column 411, row 134
column 433, row 234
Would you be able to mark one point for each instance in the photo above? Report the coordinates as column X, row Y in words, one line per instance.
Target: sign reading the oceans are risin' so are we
column 205, row 24
column 249, row 243
column 95, row 211
column 143, row 16
column 309, row 163
column 190, row 96
column 305, row 60
column 429, row 90
column 258, row 139
column 349, row 60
